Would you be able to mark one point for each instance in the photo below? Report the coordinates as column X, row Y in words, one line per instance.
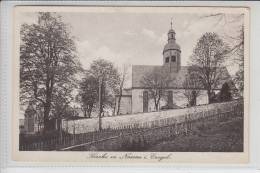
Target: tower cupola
column 172, row 53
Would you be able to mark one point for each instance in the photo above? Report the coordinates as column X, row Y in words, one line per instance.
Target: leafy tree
column 208, row 59
column 48, row 61
column 88, row 94
column 61, row 107
column 156, row 82
column 105, row 70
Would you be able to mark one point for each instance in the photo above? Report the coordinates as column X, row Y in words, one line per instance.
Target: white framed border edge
column 6, row 71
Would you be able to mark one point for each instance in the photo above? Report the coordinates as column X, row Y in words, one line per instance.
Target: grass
column 223, row 136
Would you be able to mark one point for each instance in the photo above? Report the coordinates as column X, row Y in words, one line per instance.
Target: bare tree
column 207, row 61
column 48, row 61
column 192, row 87
column 121, row 86
column 222, row 18
column 237, row 49
column 156, row 83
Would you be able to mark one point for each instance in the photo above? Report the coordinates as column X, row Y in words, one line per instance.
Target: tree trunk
column 156, row 106
column 47, row 108
column 38, row 125
column 85, row 113
column 89, row 112
column 209, row 96
column 59, row 124
column 114, row 109
column 118, row 103
column 121, row 91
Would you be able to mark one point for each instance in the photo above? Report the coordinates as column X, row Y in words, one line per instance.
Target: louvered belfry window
column 173, row 58
column 167, row 59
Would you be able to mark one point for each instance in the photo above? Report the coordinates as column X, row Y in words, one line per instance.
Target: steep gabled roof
column 139, row 71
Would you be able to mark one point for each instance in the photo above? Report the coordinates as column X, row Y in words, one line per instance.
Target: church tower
column 172, row 53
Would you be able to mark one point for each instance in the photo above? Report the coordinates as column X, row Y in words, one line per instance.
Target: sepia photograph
column 133, row 79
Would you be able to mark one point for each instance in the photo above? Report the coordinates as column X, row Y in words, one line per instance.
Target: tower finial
column 171, row 23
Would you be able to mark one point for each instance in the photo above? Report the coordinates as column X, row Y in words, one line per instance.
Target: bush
column 225, row 93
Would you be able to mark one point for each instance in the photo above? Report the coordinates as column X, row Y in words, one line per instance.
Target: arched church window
column 173, row 58
column 167, row 59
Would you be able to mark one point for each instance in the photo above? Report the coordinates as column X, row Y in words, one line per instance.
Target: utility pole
column 100, row 102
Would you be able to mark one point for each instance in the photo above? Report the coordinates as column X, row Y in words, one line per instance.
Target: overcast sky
column 139, row 38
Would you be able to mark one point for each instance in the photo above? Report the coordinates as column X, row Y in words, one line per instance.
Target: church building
column 136, row 100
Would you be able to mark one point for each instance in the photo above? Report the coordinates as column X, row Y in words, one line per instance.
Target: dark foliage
column 48, row 64
column 225, row 93
column 88, row 94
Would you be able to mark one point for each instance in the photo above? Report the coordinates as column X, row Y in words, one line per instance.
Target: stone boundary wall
column 147, row 120
column 126, row 136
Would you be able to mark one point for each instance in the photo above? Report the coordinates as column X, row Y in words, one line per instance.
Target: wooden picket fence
column 136, row 136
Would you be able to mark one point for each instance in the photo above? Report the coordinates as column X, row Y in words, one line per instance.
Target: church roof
column 139, row 71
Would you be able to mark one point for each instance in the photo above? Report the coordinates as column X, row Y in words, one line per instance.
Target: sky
column 139, row 38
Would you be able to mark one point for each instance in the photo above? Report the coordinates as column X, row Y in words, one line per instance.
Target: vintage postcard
column 131, row 85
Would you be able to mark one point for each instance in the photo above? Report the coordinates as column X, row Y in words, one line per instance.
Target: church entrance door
column 145, row 101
